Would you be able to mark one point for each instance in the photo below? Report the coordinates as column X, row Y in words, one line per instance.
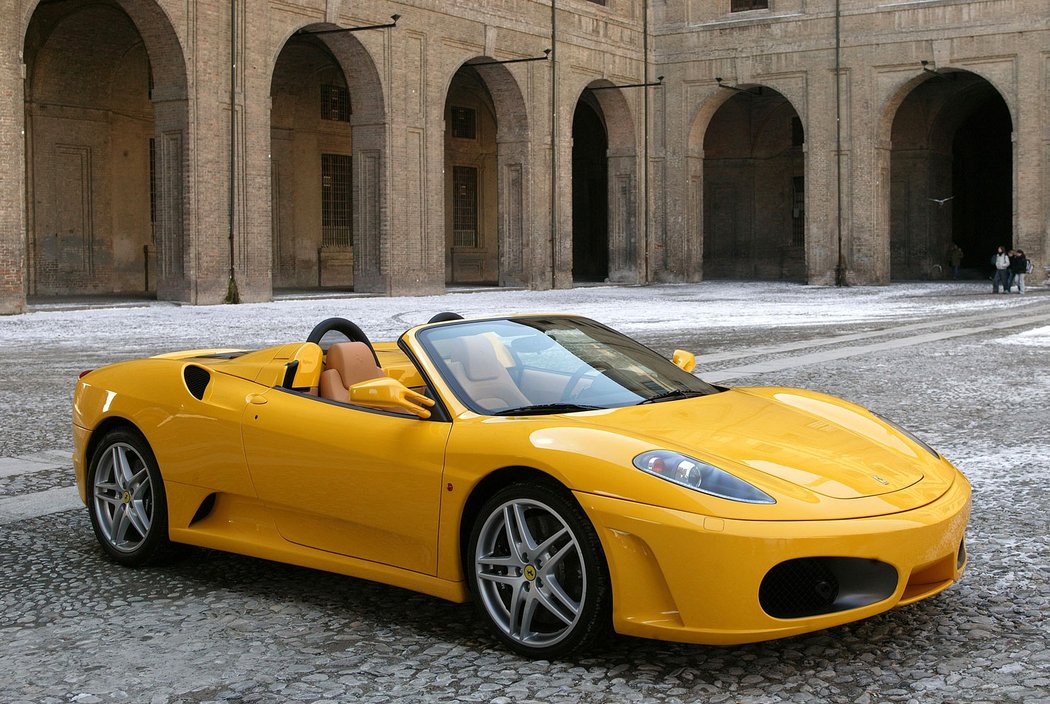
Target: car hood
column 816, row 442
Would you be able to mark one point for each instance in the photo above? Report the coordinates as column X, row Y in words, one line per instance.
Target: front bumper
column 684, row 577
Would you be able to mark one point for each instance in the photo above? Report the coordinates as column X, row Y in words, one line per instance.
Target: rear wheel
column 537, row 571
column 126, row 501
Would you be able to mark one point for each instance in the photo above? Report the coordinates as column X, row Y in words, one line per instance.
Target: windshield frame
column 668, row 376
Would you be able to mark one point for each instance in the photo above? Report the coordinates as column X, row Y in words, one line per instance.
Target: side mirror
column 686, row 361
column 390, row 394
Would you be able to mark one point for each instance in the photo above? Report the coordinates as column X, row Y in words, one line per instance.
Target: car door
column 346, row 479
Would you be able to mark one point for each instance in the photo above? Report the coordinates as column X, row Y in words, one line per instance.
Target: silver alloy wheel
column 123, row 496
column 531, row 576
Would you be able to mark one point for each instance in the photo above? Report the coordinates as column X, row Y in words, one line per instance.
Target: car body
column 562, row 475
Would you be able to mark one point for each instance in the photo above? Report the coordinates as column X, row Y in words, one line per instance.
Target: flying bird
column 941, row 201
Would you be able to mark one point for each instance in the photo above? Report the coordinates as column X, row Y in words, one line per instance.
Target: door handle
column 257, row 399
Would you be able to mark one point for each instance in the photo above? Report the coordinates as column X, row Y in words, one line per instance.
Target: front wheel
column 126, row 500
column 537, row 571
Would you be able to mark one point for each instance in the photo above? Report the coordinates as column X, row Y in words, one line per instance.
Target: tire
column 126, row 500
column 537, row 571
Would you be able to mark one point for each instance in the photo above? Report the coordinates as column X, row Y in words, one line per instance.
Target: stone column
column 12, row 168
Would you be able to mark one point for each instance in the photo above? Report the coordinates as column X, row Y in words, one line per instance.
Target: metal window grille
column 335, row 103
column 744, row 5
column 336, row 200
column 465, row 206
column 464, row 123
column 798, row 211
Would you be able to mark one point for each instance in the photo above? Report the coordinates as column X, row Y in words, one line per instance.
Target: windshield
column 550, row 364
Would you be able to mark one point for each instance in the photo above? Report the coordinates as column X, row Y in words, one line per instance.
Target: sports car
column 564, row 477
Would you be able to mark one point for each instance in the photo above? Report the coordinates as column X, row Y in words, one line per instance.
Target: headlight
column 908, row 435
column 699, row 476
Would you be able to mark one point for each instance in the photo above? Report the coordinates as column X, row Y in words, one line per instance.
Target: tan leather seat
column 347, row 363
column 482, row 375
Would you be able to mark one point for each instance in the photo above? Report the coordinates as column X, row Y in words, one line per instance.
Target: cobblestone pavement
column 214, row 627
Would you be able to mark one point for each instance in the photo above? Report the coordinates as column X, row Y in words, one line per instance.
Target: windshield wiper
column 671, row 396
column 546, row 408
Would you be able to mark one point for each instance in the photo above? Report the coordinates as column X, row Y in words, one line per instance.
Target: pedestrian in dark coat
column 1018, row 268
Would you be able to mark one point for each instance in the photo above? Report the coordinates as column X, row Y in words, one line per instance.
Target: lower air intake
column 811, row 586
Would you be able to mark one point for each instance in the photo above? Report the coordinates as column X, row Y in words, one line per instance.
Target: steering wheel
column 349, row 329
column 582, row 372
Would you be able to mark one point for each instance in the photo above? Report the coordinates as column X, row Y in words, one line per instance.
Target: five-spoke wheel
column 126, row 501
column 538, row 571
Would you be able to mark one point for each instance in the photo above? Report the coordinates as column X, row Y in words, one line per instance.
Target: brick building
column 808, row 140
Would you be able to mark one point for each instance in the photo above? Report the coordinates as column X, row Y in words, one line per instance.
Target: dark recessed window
column 464, row 123
column 465, row 206
column 335, row 103
column 336, row 202
column 603, row 3
column 743, row 5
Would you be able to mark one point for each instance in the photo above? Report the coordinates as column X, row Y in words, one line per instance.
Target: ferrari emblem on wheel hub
column 530, row 572
column 126, row 497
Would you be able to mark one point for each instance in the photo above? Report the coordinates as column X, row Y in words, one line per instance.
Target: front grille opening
column 811, row 586
column 961, row 559
column 197, row 379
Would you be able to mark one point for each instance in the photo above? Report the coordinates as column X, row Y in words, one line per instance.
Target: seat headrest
column 353, row 361
column 479, row 359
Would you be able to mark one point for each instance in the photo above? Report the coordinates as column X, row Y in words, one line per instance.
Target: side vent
column 197, row 379
column 204, row 509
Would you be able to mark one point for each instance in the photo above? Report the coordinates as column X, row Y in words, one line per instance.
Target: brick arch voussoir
column 356, row 62
column 163, row 44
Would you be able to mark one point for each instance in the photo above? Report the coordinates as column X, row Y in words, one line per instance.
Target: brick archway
column 620, row 228
column 945, row 143
column 753, row 186
column 486, row 176
column 105, row 151
column 328, row 139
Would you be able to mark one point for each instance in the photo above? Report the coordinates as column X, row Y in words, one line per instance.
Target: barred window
column 465, row 207
column 335, row 103
column 464, row 123
column 336, row 200
column 744, row 5
column 798, row 211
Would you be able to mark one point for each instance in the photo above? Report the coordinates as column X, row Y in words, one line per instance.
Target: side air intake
column 197, row 380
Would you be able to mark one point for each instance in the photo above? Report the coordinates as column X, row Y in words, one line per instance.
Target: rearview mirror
column 686, row 361
column 390, row 394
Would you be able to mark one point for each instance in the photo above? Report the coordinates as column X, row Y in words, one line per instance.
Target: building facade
column 199, row 151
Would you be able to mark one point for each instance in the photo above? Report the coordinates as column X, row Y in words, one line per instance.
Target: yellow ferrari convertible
column 564, row 477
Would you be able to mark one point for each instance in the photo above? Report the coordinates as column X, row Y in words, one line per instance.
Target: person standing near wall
column 955, row 257
column 1018, row 268
column 1001, row 260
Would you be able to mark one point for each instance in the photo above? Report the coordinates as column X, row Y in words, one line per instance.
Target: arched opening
column 754, row 189
column 311, row 168
column 486, row 158
column 471, row 216
column 327, row 146
column 590, row 192
column 606, row 234
column 951, row 178
column 105, row 101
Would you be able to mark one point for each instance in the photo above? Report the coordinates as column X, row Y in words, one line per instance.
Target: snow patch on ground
column 1039, row 337
column 633, row 309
